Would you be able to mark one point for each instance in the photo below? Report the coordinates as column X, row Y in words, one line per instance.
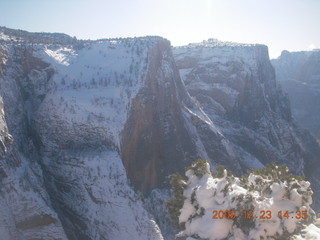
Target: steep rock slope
column 235, row 85
column 80, row 125
column 65, row 104
column 299, row 75
column 165, row 130
column 25, row 207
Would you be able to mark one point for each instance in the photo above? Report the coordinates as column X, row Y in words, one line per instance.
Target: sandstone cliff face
column 166, row 130
column 299, row 75
column 235, row 85
column 154, row 140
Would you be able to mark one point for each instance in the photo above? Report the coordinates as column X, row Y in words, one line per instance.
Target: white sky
column 280, row 24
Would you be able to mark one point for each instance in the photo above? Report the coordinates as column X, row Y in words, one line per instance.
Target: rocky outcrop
column 235, row 85
column 25, row 206
column 155, row 141
column 166, row 130
column 299, row 76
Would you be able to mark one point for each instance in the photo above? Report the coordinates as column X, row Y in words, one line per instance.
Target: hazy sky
column 281, row 24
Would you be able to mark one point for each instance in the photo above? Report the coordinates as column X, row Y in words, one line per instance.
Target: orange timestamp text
column 248, row 214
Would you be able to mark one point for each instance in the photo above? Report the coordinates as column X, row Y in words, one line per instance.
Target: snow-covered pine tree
column 268, row 203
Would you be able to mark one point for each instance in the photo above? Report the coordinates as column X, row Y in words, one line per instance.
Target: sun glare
column 312, row 46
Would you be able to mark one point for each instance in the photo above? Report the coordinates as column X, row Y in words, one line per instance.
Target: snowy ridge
column 23, row 37
column 96, row 84
column 220, row 68
column 222, row 53
column 214, row 42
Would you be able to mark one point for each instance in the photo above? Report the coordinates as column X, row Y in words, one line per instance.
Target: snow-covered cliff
column 299, row 75
column 235, row 85
column 92, row 113
column 92, row 130
column 65, row 109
